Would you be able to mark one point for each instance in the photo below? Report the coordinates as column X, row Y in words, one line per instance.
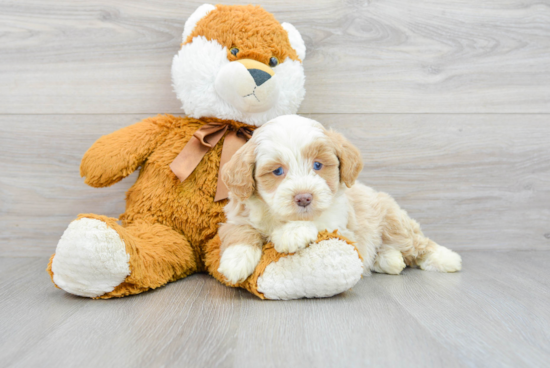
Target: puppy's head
column 295, row 166
column 238, row 62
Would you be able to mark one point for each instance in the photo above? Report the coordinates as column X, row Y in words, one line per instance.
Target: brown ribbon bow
column 203, row 141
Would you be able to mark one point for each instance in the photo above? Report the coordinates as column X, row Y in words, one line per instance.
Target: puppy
column 293, row 179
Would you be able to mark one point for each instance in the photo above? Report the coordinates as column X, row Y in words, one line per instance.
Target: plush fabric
column 160, row 210
column 270, row 256
column 249, row 28
column 168, row 230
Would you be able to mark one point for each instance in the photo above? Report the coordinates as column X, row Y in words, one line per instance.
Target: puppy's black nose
column 303, row 200
column 260, row 77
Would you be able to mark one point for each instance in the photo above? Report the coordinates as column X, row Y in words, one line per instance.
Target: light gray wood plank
column 481, row 316
column 61, row 56
column 488, row 314
column 9, row 265
column 40, row 189
column 39, row 327
column 363, row 327
column 198, row 322
column 30, row 308
column 193, row 320
column 530, row 267
column 472, row 181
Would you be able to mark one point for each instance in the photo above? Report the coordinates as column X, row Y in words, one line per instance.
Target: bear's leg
column 98, row 258
column 327, row 267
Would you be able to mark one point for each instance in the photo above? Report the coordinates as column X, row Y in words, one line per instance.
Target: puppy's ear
column 351, row 162
column 238, row 173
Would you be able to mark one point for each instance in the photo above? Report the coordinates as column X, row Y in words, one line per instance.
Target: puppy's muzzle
column 303, row 200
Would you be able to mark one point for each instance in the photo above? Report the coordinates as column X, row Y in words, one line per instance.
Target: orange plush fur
column 160, row 210
column 169, row 227
column 249, row 28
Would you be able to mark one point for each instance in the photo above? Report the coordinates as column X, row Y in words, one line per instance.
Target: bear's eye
column 273, row 61
column 278, row 172
column 317, row 165
column 234, row 51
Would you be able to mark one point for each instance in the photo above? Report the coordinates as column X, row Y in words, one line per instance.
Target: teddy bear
column 237, row 68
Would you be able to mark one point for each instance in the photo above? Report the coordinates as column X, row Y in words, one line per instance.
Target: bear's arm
column 115, row 156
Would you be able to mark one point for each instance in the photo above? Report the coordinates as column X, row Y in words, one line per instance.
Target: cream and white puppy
column 293, row 179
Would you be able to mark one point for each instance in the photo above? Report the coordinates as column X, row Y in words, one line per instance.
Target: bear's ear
column 194, row 19
column 296, row 40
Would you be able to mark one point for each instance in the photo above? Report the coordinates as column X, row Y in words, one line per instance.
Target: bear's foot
column 90, row 259
column 323, row 269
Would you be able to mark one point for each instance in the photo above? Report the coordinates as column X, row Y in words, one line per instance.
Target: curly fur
column 387, row 238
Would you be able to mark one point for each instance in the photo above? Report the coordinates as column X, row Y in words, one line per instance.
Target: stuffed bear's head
column 239, row 63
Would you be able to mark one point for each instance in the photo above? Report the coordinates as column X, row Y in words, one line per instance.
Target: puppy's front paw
column 239, row 261
column 294, row 236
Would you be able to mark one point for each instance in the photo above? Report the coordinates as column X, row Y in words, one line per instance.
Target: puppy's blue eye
column 317, row 165
column 279, row 171
column 234, row 51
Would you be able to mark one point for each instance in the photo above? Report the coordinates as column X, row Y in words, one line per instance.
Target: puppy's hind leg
column 389, row 260
column 438, row 258
column 402, row 233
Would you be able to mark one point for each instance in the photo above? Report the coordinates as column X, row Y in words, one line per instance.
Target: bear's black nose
column 260, row 77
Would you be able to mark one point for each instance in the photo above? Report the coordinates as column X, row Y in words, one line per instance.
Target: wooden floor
column 449, row 103
column 493, row 314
